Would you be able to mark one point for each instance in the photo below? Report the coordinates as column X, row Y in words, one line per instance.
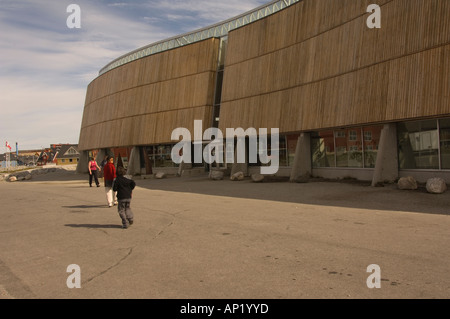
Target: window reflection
column 444, row 126
column 352, row 147
column 268, row 148
column 291, row 146
column 418, row 144
column 160, row 156
column 371, row 142
column 323, row 149
column 349, row 148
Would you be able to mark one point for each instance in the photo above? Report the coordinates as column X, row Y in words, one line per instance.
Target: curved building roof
column 217, row 30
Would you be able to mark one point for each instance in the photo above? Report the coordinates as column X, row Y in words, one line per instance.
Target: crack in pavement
column 171, row 223
column 12, row 286
column 108, row 269
column 168, row 213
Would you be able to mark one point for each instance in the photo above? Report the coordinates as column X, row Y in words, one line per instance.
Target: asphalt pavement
column 194, row 238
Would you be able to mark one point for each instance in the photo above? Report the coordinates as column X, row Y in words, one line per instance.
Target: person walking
column 124, row 188
column 109, row 174
column 102, row 166
column 93, row 172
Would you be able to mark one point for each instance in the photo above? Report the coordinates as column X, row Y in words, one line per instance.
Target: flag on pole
column 8, row 146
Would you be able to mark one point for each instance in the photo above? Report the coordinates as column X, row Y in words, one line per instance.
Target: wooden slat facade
column 317, row 65
column 141, row 102
column 314, row 65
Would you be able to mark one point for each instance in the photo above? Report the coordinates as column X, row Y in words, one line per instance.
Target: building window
column 444, row 133
column 72, row 151
column 283, row 151
column 267, row 149
column 372, row 136
column 160, row 155
column 418, row 144
column 424, row 144
column 340, row 134
column 358, row 151
column 291, row 147
column 322, row 144
column 349, row 152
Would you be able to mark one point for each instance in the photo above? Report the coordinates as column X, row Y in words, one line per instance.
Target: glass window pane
column 322, row 145
column 229, row 147
column 349, row 151
column 418, row 145
column 372, row 136
column 445, row 143
column 160, row 156
column 265, row 148
column 283, row 155
column 341, row 148
column 163, row 156
column 292, row 146
column 151, row 156
column 194, row 162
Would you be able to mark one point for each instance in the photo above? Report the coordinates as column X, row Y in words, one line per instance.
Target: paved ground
column 195, row 238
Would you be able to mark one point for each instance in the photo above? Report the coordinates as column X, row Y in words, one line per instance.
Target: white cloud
column 207, row 10
column 119, row 4
column 33, row 114
column 46, row 67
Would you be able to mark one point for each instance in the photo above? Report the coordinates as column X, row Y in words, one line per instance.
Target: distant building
column 25, row 158
column 59, row 154
column 67, row 154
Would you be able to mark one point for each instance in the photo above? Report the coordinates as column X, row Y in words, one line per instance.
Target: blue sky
column 45, row 67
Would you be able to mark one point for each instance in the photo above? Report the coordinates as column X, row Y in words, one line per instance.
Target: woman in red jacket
column 109, row 174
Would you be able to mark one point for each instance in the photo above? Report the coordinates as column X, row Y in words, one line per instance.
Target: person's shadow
column 86, row 206
column 92, row 226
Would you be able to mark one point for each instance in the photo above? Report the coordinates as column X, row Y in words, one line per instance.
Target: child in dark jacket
column 124, row 188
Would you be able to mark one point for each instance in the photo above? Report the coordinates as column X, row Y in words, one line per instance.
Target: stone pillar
column 82, row 166
column 302, row 160
column 386, row 167
column 181, row 168
column 239, row 167
column 134, row 162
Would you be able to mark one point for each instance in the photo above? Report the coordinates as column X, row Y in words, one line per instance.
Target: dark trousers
column 95, row 176
column 125, row 212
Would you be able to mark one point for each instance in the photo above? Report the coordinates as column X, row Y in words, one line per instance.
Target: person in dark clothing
column 102, row 166
column 124, row 188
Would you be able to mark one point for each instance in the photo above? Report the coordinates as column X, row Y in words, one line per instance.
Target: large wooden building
column 349, row 100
